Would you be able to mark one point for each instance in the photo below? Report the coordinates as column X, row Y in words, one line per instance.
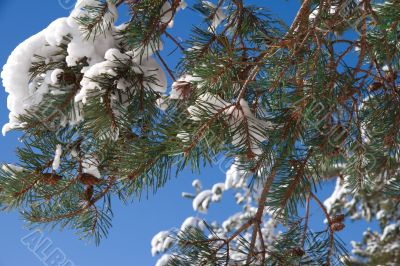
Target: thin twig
column 263, row 251
column 306, row 220
column 260, row 212
column 328, row 259
column 174, row 40
column 166, row 66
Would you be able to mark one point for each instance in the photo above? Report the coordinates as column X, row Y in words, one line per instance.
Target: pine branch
column 77, row 211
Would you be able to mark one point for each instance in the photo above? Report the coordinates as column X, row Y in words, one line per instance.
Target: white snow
column 183, row 4
column 203, row 198
column 218, row 17
column 192, row 222
column 235, row 177
column 163, row 261
column 268, row 230
column 57, row 157
column 213, row 104
column 380, row 214
column 12, row 168
column 177, row 90
column 338, row 193
column 24, row 93
column 89, row 165
column 389, row 230
column 55, row 75
column 197, row 185
column 217, row 190
column 385, row 68
column 161, row 242
column 146, row 66
column 166, row 12
column 184, row 136
column 202, row 201
column 315, row 12
column 256, row 127
column 235, row 221
column 79, row 11
column 237, row 116
column 162, row 104
column 150, row 67
column 16, row 79
column 88, row 84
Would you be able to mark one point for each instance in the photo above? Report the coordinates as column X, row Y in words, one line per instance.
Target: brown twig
column 263, row 247
column 175, row 41
column 328, row 259
column 306, row 220
column 165, row 66
column 260, row 212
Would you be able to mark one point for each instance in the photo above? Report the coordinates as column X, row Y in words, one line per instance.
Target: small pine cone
column 338, row 218
column 69, row 78
column 390, row 76
column 88, row 179
column 388, row 140
column 250, row 154
column 51, row 178
column 298, row 252
column 293, row 162
column 337, row 227
column 375, row 86
column 88, row 193
column 47, row 198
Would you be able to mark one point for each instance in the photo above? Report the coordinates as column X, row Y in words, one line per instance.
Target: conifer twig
column 260, row 212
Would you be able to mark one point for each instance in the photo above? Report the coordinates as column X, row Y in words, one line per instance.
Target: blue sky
column 133, row 225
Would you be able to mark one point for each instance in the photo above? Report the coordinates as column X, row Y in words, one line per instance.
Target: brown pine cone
column 338, row 218
column 298, row 252
column 51, row 178
column 88, row 179
column 337, row 227
column 88, row 193
column 375, row 86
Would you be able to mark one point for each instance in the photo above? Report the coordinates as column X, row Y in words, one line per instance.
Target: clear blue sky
column 133, row 225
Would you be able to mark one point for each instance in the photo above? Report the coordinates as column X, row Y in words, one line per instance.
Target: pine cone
column 88, row 193
column 338, row 218
column 69, row 78
column 51, row 178
column 337, row 227
column 298, row 252
column 375, row 86
column 88, row 179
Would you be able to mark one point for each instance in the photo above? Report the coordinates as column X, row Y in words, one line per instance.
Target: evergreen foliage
column 286, row 104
